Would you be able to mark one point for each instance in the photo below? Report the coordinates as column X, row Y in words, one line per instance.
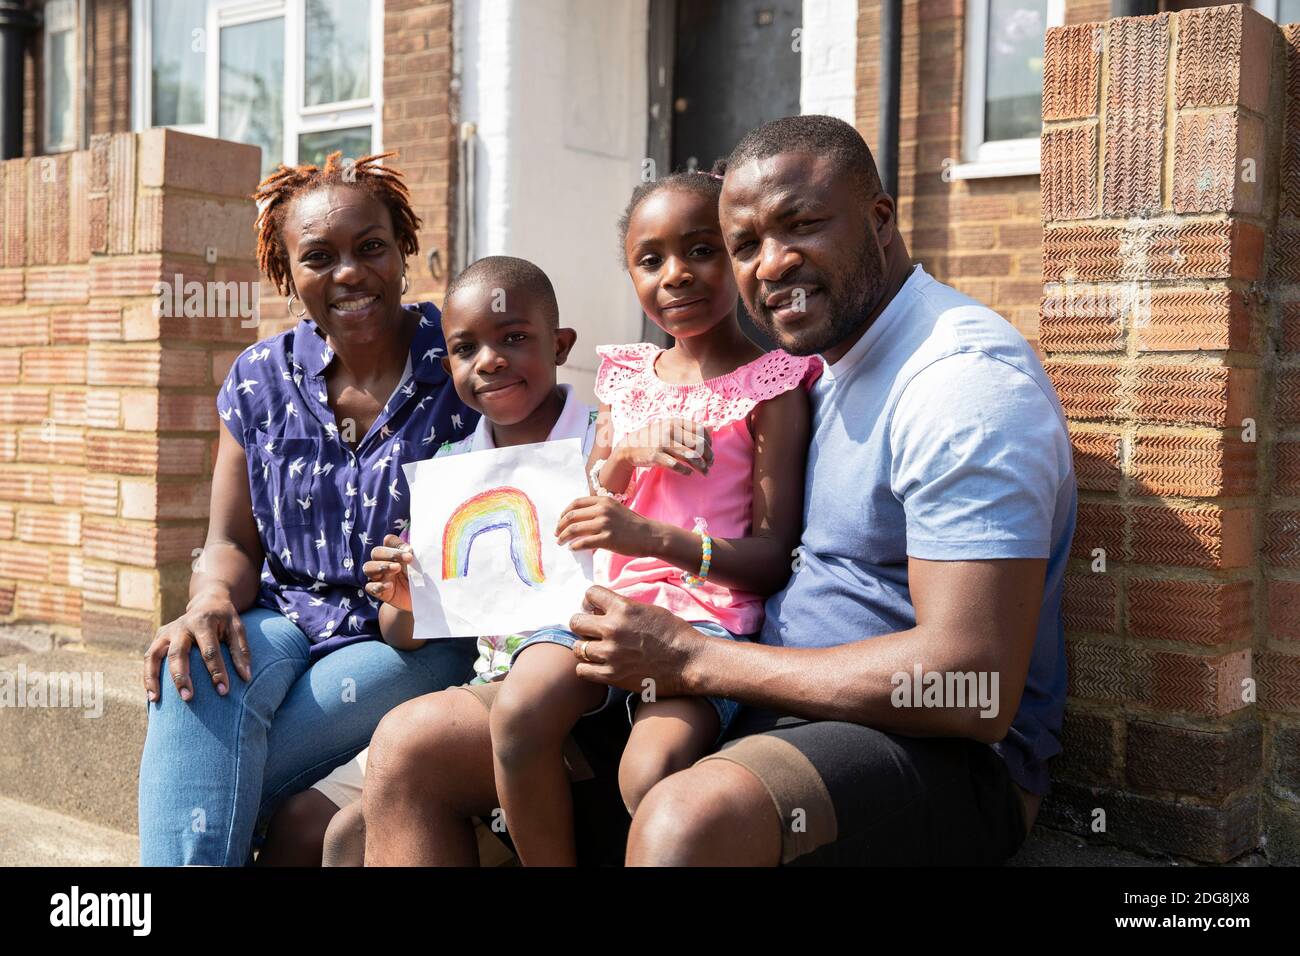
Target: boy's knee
column 345, row 838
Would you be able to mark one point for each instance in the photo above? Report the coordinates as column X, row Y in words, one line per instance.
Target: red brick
column 1086, row 390
column 117, row 276
column 57, row 445
column 1190, row 320
column 146, row 455
column 18, row 562
column 10, row 366
column 1278, row 675
column 51, row 284
column 1208, row 686
column 185, row 161
column 1284, row 610
column 1290, row 321
column 48, row 604
column 1096, row 459
column 46, row 527
column 1193, row 250
column 1105, row 671
column 1286, row 468
column 66, row 569
column 103, row 408
column 1194, row 395
column 12, row 286
column 1078, row 318
column 1285, row 265
column 152, row 501
column 99, row 495
column 146, row 366
column 1089, row 603
column 1217, row 159
column 1224, row 57
column 1203, row 537
column 99, row 583
column 47, row 210
column 1091, row 748
column 24, row 328
column 109, row 627
column 1206, row 763
column 7, row 517
column 1193, row 466
column 1286, row 402
column 1069, row 172
column 1290, row 200
column 1138, row 57
column 1101, row 526
column 17, row 408
column 13, row 203
column 97, row 322
column 139, row 544
column 1071, row 71
column 78, row 207
column 1197, row 612
column 54, row 366
column 1282, row 538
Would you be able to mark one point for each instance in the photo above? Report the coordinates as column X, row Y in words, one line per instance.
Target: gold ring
column 582, row 651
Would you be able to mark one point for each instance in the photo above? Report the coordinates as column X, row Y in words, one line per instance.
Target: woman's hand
column 676, row 443
column 604, row 523
column 209, row 621
column 386, row 572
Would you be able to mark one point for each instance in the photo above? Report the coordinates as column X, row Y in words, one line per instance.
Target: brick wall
column 107, row 415
column 1168, row 320
column 983, row 236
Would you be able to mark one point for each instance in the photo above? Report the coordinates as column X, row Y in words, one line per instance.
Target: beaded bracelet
column 706, row 556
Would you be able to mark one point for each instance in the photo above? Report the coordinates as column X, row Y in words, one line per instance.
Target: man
column 906, row 691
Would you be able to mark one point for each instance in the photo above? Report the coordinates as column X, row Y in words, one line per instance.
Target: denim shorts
column 725, row 707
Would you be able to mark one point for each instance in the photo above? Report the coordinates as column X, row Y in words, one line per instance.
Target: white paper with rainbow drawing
column 483, row 533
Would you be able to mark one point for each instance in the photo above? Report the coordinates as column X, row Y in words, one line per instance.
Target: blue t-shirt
column 320, row 505
column 940, row 437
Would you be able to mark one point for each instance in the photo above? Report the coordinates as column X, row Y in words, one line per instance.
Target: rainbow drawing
column 490, row 510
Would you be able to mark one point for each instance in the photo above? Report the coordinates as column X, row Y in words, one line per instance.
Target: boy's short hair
column 510, row 274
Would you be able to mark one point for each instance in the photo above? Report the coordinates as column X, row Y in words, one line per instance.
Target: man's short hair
column 819, row 135
column 510, row 274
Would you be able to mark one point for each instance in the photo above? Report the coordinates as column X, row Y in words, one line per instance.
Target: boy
column 504, row 343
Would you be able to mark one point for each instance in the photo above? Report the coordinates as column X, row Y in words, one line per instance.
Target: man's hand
column 679, row 444
column 386, row 572
column 623, row 642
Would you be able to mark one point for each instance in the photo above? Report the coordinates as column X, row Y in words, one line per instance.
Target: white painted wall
column 557, row 89
column 828, row 65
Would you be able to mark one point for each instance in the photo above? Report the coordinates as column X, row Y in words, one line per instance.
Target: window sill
column 989, row 169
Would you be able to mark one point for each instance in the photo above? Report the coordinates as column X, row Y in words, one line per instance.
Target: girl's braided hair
column 275, row 193
column 696, row 181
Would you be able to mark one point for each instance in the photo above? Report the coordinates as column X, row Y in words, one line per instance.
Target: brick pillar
column 1159, row 191
column 107, row 389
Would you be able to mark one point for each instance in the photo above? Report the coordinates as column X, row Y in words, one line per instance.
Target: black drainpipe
column 15, row 22
column 1132, row 8
column 891, row 62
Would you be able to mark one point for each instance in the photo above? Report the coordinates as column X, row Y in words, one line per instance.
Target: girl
column 697, row 473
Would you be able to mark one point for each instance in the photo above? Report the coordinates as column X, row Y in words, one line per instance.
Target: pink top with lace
column 627, row 382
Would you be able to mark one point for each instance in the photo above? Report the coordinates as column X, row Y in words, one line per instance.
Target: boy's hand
column 677, row 443
column 386, row 572
column 604, row 523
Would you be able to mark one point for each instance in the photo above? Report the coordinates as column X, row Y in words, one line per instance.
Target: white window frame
column 980, row 158
column 298, row 118
column 1267, row 7
column 74, row 51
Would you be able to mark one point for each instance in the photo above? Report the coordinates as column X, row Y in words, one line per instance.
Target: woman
column 308, row 478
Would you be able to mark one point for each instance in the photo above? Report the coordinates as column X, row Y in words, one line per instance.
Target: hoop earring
column 288, row 306
column 406, row 282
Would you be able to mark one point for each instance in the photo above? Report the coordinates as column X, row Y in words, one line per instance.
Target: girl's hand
column 386, row 572
column 209, row 620
column 604, row 523
column 677, row 443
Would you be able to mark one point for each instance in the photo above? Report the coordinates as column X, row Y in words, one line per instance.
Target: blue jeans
column 213, row 767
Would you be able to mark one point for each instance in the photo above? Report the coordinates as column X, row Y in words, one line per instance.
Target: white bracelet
column 600, row 490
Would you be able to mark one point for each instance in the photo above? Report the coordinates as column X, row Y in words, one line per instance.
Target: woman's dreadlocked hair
column 275, row 192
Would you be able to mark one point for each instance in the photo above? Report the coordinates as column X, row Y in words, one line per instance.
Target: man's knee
column 713, row 813
column 404, row 747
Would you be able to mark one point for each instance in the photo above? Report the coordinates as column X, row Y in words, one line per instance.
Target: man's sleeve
column 979, row 454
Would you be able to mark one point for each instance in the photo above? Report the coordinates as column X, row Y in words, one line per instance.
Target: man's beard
column 850, row 297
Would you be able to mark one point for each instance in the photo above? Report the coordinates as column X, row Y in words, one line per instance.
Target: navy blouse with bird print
column 321, row 504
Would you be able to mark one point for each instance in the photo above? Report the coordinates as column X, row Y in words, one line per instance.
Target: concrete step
column 32, row 836
column 75, row 755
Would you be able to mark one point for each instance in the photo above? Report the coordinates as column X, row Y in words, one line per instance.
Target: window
column 1282, row 11
column 61, row 60
column 1003, row 95
column 298, row 78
